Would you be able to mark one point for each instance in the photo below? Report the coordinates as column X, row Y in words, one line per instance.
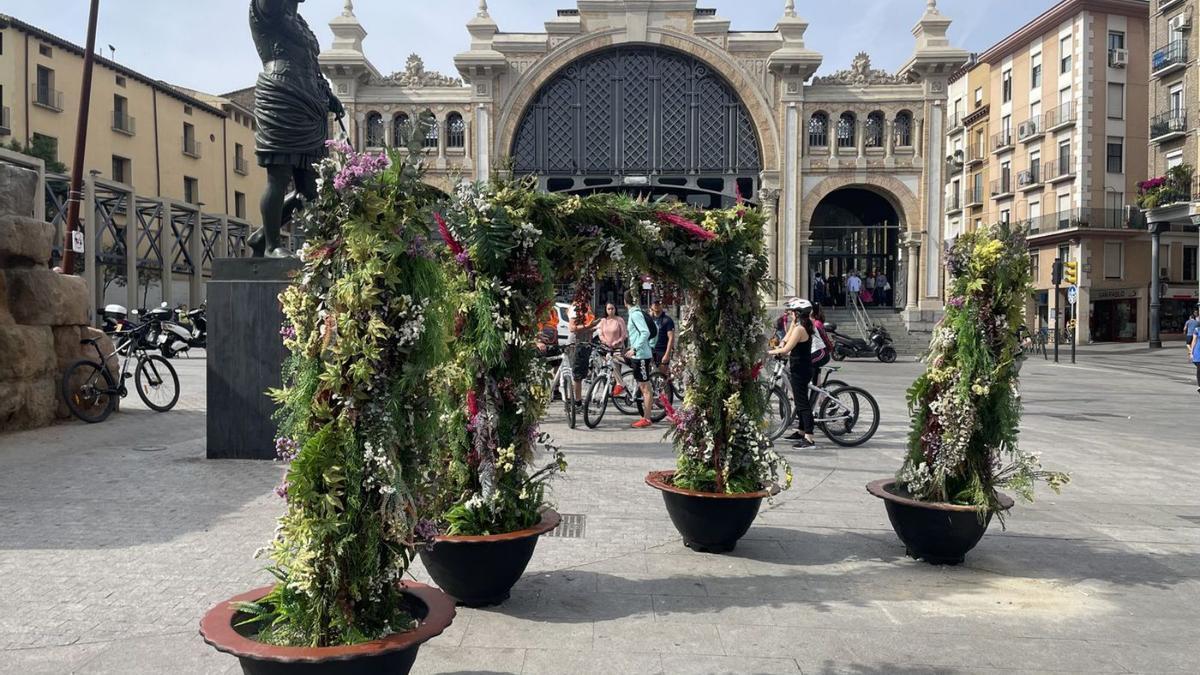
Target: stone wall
column 43, row 314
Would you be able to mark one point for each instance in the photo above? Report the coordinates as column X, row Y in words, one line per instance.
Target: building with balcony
column 1067, row 117
column 1173, row 208
column 162, row 143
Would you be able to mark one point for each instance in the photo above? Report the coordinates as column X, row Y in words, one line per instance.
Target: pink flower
column 444, row 229
column 686, row 225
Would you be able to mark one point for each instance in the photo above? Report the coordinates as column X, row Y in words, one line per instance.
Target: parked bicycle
column 563, row 381
column 91, row 392
column 629, row 400
column 847, row 415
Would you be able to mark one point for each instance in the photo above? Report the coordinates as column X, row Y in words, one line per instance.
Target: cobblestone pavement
column 115, row 538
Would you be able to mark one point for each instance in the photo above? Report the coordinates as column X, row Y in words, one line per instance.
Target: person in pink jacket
column 613, row 334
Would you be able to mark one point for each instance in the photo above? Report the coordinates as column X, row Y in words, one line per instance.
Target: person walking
column 613, row 334
column 853, row 288
column 883, row 289
column 1190, row 327
column 664, row 342
column 641, row 354
column 869, row 296
column 1194, row 346
column 798, row 348
column 582, row 328
column 818, row 289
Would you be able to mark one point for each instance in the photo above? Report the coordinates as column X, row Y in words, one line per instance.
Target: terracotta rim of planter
column 661, row 480
column 550, row 520
column 218, row 631
column 882, row 488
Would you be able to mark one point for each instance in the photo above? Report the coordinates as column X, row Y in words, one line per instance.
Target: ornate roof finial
column 789, row 8
column 483, row 9
column 931, row 7
column 348, row 9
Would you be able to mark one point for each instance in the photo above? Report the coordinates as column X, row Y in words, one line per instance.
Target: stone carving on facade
column 415, row 75
column 861, row 74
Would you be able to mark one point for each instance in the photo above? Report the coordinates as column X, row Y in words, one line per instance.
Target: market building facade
column 661, row 98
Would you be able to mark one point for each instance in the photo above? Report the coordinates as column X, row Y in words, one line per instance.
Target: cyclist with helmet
column 797, row 346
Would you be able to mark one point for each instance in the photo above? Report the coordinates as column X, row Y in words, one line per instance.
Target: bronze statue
column 292, row 102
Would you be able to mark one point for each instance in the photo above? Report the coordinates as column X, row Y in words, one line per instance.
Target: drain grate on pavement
column 573, row 526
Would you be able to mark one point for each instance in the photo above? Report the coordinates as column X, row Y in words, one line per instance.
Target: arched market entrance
column 641, row 119
column 855, row 230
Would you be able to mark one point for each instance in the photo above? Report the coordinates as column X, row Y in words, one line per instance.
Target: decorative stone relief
column 415, row 75
column 861, row 73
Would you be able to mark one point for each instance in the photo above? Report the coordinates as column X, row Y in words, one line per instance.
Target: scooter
column 172, row 339
column 879, row 345
column 197, row 323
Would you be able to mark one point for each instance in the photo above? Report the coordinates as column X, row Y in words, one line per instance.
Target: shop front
column 1177, row 306
column 1114, row 315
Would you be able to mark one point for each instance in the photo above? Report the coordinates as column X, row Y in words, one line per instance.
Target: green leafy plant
column 965, row 407
column 358, row 414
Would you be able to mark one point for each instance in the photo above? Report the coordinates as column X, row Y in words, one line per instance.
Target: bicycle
column 840, row 408
column 564, row 381
column 628, row 401
column 91, row 393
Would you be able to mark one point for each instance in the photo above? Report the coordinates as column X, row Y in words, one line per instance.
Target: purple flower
column 425, row 530
column 463, row 258
column 282, row 490
column 286, row 449
column 358, row 168
column 957, row 302
column 288, row 332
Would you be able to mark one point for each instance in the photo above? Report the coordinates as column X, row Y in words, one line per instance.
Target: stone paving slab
column 109, row 555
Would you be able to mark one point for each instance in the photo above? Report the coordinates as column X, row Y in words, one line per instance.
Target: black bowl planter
column 940, row 534
column 481, row 571
column 433, row 610
column 707, row 521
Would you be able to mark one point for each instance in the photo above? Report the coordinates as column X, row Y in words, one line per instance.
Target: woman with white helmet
column 797, row 346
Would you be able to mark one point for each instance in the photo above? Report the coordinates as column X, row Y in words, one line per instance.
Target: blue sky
column 205, row 45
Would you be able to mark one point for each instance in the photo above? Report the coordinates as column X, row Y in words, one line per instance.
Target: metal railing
column 1031, row 128
column 1168, row 123
column 955, row 120
column 123, row 122
column 1002, row 186
column 1166, row 58
column 1030, row 177
column 976, row 153
column 1062, row 167
column 4, row 118
column 1088, row 218
column 48, row 98
column 1061, row 116
column 954, row 201
column 974, row 195
column 1002, row 139
column 1164, row 4
column 191, row 147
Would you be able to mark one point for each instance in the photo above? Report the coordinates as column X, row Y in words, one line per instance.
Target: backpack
column 651, row 326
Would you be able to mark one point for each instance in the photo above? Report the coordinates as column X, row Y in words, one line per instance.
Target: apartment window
column 978, row 96
column 239, row 159
column 1035, row 71
column 121, row 170
column 121, row 81
column 187, row 110
column 1035, row 167
column 190, row 146
column 1005, row 215
column 1175, row 99
column 1035, row 213
column 958, row 109
column 1174, row 159
column 46, row 50
column 456, row 131
column 121, row 120
column 1034, row 267
column 1116, row 154
column 46, row 95
column 1006, row 85
column 978, row 197
column 1064, row 55
column 1116, row 101
column 1064, row 212
column 1064, row 158
column 239, row 205
column 818, row 130
column 47, row 145
column 1114, row 212
column 1189, row 262
column 1005, row 176
column 1116, row 40
column 1114, row 260
column 191, row 190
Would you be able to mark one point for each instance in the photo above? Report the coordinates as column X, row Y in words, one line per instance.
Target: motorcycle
column 197, row 324
column 169, row 337
column 879, row 345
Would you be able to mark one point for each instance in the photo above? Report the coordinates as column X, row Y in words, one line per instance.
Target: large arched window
column 818, row 130
column 456, row 131
column 401, row 130
column 846, row 130
column 430, row 142
column 874, row 130
column 375, row 137
column 903, row 129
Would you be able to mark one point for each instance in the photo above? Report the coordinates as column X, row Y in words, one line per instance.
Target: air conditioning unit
column 1180, row 22
column 1118, row 58
column 1027, row 129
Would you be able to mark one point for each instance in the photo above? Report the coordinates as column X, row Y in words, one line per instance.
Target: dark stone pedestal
column 245, row 354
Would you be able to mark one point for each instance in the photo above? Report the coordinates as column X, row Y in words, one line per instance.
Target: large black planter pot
column 940, row 534
column 481, row 571
column 433, row 610
column 708, row 522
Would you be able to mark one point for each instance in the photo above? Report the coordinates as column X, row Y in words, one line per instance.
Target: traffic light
column 1056, row 272
column 1071, row 272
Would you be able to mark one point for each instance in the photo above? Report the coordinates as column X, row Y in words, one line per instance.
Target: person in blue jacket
column 1194, row 346
column 640, row 354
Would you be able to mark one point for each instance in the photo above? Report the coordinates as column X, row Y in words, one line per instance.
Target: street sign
column 1073, row 294
column 77, row 241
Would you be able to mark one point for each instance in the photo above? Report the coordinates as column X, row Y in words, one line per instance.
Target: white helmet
column 116, row 309
column 797, row 304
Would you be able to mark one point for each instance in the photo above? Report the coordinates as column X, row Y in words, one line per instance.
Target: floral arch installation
column 640, row 117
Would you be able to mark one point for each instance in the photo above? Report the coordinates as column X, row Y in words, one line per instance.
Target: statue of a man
column 292, row 102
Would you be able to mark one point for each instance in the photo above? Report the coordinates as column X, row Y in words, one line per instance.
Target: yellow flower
column 711, row 222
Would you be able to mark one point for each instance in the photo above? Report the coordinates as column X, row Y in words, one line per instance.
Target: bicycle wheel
column 658, row 389
column 849, row 416
column 627, row 401
column 596, row 403
column 568, row 392
column 89, row 391
column 156, row 382
column 779, row 413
